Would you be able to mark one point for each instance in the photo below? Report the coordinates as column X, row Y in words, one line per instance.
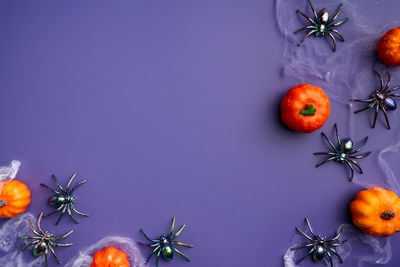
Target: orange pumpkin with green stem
column 305, row 108
column 110, row 257
column 15, row 197
column 376, row 211
column 389, row 47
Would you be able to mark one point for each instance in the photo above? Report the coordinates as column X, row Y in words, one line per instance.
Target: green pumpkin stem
column 387, row 215
column 3, row 203
column 309, row 111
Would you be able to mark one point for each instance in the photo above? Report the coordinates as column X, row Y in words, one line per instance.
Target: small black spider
column 320, row 246
column 322, row 24
column 164, row 244
column 63, row 201
column 343, row 152
column 44, row 241
column 381, row 99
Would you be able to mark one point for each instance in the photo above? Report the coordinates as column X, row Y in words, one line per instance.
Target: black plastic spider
column 164, row 244
column 64, row 200
column 44, row 241
column 381, row 99
column 343, row 152
column 320, row 245
column 322, row 24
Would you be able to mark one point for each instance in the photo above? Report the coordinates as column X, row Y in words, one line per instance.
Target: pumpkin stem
column 387, row 215
column 309, row 111
column 3, row 203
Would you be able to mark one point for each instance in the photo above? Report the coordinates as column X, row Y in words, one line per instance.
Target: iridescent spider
column 320, row 246
column 64, row 200
column 343, row 152
column 44, row 241
column 164, row 244
column 381, row 99
column 322, row 24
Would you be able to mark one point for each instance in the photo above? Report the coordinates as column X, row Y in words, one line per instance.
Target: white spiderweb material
column 9, row 231
column 9, row 172
column 85, row 257
column 344, row 75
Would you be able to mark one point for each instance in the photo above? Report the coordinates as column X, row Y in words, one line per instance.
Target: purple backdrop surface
column 170, row 108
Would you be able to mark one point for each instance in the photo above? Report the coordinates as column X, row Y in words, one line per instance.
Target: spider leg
column 178, row 233
column 361, row 147
column 70, row 214
column 325, row 161
column 393, row 89
column 333, row 39
column 337, row 135
column 308, row 34
column 304, row 234
column 380, row 79
column 356, row 164
column 58, row 184
column 31, row 226
column 147, row 245
column 329, row 257
column 351, row 170
column 394, row 95
column 386, row 117
column 45, row 257
column 363, row 100
column 308, row 254
column 145, row 236
column 341, row 38
column 340, row 22
column 375, row 115
column 338, row 244
column 172, row 227
column 361, row 156
column 305, row 246
column 61, row 215
column 181, row 244
column 39, row 221
column 313, row 10
column 54, row 254
column 64, row 236
column 63, row 245
column 27, row 245
column 180, row 253
column 152, row 253
column 329, row 141
column 339, row 9
column 307, row 17
column 304, row 28
column 29, row 237
column 388, row 82
column 51, row 189
column 53, row 212
column 309, row 227
column 369, row 106
column 158, row 256
column 70, row 181
column 80, row 213
column 337, row 236
column 78, row 184
column 337, row 255
column 324, row 153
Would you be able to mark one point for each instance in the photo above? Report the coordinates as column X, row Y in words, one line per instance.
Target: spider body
column 381, row 99
column 43, row 241
column 343, row 153
column 320, row 246
column 322, row 24
column 63, row 201
column 164, row 245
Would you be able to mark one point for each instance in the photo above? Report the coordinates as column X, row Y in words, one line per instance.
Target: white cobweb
column 9, row 172
column 85, row 257
column 345, row 74
column 9, row 244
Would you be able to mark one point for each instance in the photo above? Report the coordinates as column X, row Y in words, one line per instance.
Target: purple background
column 170, row 108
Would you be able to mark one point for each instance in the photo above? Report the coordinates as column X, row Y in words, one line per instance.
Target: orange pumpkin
column 110, row 257
column 15, row 197
column 376, row 211
column 389, row 47
column 305, row 108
